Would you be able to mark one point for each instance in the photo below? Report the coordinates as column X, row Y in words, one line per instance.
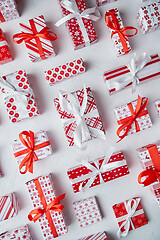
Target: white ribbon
column 90, row 13
column 3, row 43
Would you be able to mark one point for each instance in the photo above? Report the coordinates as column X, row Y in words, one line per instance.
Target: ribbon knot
column 149, row 176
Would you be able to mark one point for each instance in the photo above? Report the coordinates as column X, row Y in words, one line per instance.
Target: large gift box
column 18, row 96
column 93, row 173
column 30, row 147
column 20, row 233
column 5, row 56
column 96, row 236
column 8, row 206
column 47, row 207
column 137, row 71
column 157, row 104
column 8, row 10
column 132, row 117
column 129, row 215
column 101, row 2
column 79, row 115
column 37, row 37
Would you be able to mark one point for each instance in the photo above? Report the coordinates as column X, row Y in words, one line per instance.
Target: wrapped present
column 37, row 38
column 5, row 56
column 8, row 10
column 137, row 71
column 132, row 117
column 18, row 96
column 19, row 233
column 150, row 160
column 8, row 206
column 96, row 236
column 79, row 115
column 129, row 215
column 119, row 33
column 157, row 104
column 101, row 2
column 64, row 71
column 104, row 169
column 78, row 21
column 87, row 211
column 30, row 147
column 48, row 210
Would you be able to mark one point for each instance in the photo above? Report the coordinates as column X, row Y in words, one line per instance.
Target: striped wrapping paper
column 97, row 236
column 101, row 2
column 150, row 71
column 8, row 206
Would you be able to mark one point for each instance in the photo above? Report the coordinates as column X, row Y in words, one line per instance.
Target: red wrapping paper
column 20, row 233
column 5, row 56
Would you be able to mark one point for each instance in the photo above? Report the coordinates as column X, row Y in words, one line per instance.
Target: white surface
column 98, row 58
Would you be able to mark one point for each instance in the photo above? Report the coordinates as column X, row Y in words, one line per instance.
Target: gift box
column 80, row 117
column 101, row 2
column 48, row 210
column 132, row 117
column 139, row 70
column 129, row 215
column 8, row 10
column 5, row 56
column 30, row 147
column 97, row 236
column 93, row 173
column 80, row 27
column 19, row 233
column 157, row 104
column 18, row 96
column 8, row 206
column 64, row 71
column 148, row 17
column 87, row 211
column 118, row 32
column 37, row 38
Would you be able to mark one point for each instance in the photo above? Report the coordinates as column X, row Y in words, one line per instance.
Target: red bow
column 150, row 176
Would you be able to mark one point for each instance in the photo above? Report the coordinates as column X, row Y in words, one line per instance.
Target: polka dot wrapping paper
column 8, row 10
column 5, row 56
column 157, row 104
column 87, row 211
column 101, row 2
column 97, row 236
column 19, row 233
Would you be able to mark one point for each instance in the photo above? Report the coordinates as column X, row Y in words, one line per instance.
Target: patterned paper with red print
column 20, row 233
column 97, row 236
column 5, row 56
column 8, row 10
column 157, row 104
column 101, row 2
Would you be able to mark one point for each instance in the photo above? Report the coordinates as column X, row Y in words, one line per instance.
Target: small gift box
column 132, row 117
column 37, row 38
column 18, row 96
column 139, row 70
column 79, row 115
column 157, row 104
column 5, row 56
column 130, row 215
column 8, row 10
column 119, row 32
column 30, row 147
column 19, row 233
column 48, row 210
column 78, row 21
column 8, row 206
column 87, row 211
column 101, row 2
column 105, row 169
column 64, row 71
column 96, row 236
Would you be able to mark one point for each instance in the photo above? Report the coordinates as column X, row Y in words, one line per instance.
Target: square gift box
column 96, row 236
column 157, row 104
column 87, row 211
column 101, row 2
column 18, row 96
column 5, row 56
column 20, row 233
column 22, row 146
column 8, row 10
column 8, row 206
column 47, row 206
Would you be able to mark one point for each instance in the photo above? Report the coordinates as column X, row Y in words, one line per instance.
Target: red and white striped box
column 19, row 233
column 101, row 2
column 52, row 222
column 8, row 10
column 157, row 104
column 5, row 56
column 118, row 75
column 8, row 206
column 80, row 175
column 18, row 96
column 96, row 236
column 87, row 211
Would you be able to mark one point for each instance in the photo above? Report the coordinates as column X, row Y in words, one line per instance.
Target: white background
column 98, row 58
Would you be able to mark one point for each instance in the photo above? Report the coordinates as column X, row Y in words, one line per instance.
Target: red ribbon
column 1, row 17
column 114, row 25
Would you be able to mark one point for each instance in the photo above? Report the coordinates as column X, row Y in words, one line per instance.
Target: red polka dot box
column 8, row 10
column 101, row 2
column 5, row 56
column 157, row 104
column 20, row 233
column 96, row 236
column 18, row 96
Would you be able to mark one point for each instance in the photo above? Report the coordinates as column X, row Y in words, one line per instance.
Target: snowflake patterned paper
column 8, row 10
column 5, row 56
column 20, row 233
column 101, row 2
column 96, row 236
column 18, row 96
column 157, row 104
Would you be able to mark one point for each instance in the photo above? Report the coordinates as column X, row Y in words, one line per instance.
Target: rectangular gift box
column 120, row 74
column 157, row 104
column 19, row 233
column 96, row 236
column 41, row 189
column 101, row 2
column 65, row 71
column 18, row 96
column 91, row 116
column 8, row 10
column 87, row 211
column 8, row 206
column 76, row 32
column 81, row 174
column 5, row 56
